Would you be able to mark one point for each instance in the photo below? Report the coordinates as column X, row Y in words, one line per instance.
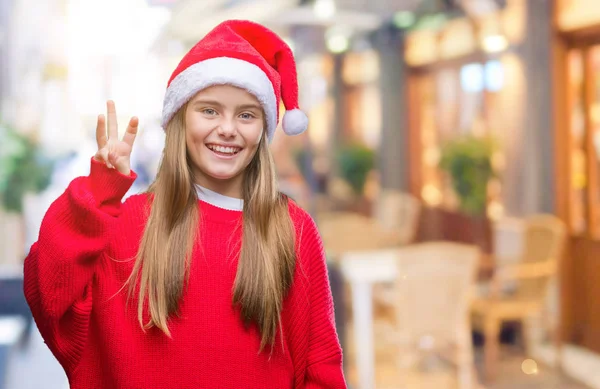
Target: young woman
column 211, row 279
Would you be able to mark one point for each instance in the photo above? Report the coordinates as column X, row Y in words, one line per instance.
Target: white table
column 363, row 269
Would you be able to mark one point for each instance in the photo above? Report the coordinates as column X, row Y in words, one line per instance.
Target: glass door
column 578, row 153
column 593, row 138
column 584, row 133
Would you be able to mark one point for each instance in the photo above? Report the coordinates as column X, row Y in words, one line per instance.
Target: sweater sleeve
column 59, row 269
column 324, row 359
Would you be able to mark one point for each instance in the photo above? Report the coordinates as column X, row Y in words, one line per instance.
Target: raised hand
column 113, row 152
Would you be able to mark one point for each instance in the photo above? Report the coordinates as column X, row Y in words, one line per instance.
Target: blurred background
column 452, row 164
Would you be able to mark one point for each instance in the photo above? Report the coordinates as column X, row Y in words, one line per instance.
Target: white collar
column 219, row 200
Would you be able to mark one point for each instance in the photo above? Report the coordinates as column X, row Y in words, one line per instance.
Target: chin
column 223, row 176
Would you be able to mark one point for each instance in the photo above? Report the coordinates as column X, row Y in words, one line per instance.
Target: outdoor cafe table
column 362, row 269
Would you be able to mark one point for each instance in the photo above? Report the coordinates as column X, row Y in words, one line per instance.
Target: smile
column 224, row 150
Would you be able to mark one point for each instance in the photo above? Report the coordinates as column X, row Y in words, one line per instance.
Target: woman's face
column 224, row 126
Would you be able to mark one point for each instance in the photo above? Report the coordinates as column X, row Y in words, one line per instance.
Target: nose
column 227, row 128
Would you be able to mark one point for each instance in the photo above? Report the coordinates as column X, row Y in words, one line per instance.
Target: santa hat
column 246, row 55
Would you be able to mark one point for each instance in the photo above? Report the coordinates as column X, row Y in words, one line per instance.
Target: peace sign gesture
column 111, row 151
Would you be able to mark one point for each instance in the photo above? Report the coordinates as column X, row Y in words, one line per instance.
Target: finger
column 121, row 163
column 112, row 120
column 101, row 138
column 102, row 156
column 98, row 157
column 131, row 131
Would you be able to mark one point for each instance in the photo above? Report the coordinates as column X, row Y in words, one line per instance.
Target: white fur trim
column 294, row 122
column 221, row 71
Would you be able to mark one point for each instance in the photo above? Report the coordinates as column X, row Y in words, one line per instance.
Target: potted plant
column 354, row 162
column 468, row 162
column 24, row 169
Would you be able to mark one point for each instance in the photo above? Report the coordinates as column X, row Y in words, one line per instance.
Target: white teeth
column 222, row 149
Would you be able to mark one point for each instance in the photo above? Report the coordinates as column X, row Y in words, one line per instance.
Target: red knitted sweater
column 74, row 276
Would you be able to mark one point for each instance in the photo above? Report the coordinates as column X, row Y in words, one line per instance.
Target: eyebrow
column 207, row 102
column 217, row 104
column 250, row 106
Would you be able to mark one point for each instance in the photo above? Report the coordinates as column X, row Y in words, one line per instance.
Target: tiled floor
column 443, row 376
column 511, row 375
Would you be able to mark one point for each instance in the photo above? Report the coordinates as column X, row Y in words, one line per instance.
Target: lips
column 224, row 150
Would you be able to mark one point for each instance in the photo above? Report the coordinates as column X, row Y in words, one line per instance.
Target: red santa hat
column 246, row 55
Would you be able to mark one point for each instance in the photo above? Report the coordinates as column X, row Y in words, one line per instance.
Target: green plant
column 355, row 161
column 468, row 162
column 23, row 168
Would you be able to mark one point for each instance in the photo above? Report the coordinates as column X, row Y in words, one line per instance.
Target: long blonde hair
column 267, row 257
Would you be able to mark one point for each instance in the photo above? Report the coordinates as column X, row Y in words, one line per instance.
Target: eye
column 209, row 111
column 247, row 116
